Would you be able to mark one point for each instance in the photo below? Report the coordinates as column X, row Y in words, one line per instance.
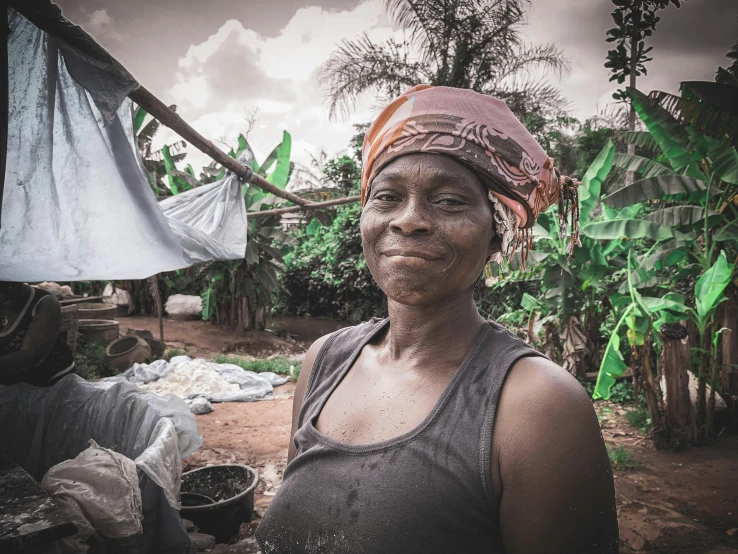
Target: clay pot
column 126, row 351
column 90, row 310
column 103, row 331
column 157, row 347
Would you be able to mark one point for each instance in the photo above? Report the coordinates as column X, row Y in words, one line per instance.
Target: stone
column 247, row 530
column 201, row 541
column 631, row 538
column 188, row 525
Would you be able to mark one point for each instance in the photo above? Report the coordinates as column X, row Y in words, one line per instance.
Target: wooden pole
column 154, row 284
column 313, row 206
column 171, row 119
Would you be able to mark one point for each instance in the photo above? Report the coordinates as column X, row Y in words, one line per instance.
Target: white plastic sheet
column 77, row 205
column 227, row 382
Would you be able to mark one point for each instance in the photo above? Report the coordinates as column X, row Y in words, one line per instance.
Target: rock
column 202, row 541
column 247, row 530
column 246, row 546
column 188, row 525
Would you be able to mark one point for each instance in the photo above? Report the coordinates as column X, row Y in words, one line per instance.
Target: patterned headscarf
column 482, row 133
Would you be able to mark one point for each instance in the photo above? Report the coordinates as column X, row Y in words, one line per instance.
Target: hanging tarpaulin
column 77, row 205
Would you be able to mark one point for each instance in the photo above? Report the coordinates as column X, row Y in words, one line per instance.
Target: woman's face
column 426, row 229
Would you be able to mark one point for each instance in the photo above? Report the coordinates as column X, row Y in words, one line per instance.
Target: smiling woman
column 434, row 430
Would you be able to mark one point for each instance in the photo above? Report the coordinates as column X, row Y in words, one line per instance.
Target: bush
column 622, row 458
column 279, row 365
column 89, row 360
column 327, row 276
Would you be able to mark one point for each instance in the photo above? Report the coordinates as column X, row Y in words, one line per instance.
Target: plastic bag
column 118, row 297
column 98, row 491
column 183, row 304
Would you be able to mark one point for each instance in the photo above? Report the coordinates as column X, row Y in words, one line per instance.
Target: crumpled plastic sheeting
column 252, row 386
column 77, row 205
column 41, row 427
column 98, row 491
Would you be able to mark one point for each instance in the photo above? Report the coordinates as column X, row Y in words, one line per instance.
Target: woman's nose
column 411, row 218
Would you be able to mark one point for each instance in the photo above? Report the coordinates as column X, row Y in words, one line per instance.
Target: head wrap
column 482, row 133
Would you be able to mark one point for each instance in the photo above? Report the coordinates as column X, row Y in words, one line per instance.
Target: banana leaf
column 612, row 365
column 208, row 303
column 640, row 139
column 710, row 286
column 723, row 96
column 138, row 118
column 724, row 160
column 677, row 216
column 647, row 168
column 729, row 232
column 668, row 134
column 592, row 182
column 267, row 277
column 629, row 228
column 653, row 187
column 663, row 257
column 529, row 303
column 170, row 167
column 312, row 227
column 281, row 174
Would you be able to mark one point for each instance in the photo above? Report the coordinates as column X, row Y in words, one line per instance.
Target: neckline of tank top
column 399, row 440
column 20, row 315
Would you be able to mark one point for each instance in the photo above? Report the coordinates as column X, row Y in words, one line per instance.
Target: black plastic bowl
column 231, row 487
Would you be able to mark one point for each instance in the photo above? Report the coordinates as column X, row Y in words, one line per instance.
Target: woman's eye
column 385, row 197
column 449, row 202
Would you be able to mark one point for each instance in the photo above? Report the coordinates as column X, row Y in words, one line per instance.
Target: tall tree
column 635, row 20
column 475, row 44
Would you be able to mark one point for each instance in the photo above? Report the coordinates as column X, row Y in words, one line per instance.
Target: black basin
column 231, row 488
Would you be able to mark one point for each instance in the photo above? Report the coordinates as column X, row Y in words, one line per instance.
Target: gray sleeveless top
column 428, row 490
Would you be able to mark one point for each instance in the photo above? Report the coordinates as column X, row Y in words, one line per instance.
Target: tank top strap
column 340, row 349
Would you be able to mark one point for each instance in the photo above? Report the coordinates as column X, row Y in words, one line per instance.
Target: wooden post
column 729, row 359
column 154, row 284
column 171, row 119
column 679, row 421
column 313, row 206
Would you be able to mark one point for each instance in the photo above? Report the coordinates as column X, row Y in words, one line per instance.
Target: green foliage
column 639, row 418
column 278, row 365
column 622, row 458
column 327, row 276
column 89, row 360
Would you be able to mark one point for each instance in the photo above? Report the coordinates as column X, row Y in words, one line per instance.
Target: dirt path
column 200, row 338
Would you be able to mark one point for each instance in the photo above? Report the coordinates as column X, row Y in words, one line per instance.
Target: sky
column 218, row 60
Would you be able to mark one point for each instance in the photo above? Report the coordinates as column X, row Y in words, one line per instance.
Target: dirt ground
column 672, row 503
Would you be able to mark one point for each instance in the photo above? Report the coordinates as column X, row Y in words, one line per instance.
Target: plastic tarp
column 98, row 491
column 41, row 427
column 77, row 205
column 196, row 379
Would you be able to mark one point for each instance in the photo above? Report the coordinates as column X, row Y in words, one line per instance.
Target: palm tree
column 475, row 44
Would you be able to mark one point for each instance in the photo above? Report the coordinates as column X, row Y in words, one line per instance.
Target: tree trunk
column 729, row 355
column 702, row 429
column 679, row 421
column 633, row 68
column 651, row 389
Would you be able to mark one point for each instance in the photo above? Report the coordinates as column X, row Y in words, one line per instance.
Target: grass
column 173, row 352
column 89, row 360
column 278, row 365
column 622, row 458
column 639, row 418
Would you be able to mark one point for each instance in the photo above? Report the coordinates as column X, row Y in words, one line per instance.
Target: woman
column 435, row 431
column 31, row 350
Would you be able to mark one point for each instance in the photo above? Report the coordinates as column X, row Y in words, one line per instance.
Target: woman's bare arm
column 40, row 337
column 302, row 381
column 550, row 465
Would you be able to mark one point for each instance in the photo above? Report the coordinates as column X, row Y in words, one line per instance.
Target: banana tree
column 683, row 209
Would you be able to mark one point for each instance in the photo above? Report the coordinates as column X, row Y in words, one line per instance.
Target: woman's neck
column 438, row 335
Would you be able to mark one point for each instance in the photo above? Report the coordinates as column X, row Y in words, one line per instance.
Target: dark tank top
column 426, row 491
column 55, row 365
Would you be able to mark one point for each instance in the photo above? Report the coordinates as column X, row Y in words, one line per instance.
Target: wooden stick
column 313, row 206
column 154, row 283
column 171, row 119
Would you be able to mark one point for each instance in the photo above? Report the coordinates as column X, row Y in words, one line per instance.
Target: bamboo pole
column 171, row 119
column 313, row 206
column 154, row 284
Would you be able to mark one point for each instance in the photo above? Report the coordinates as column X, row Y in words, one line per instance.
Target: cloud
column 100, row 25
column 237, row 69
